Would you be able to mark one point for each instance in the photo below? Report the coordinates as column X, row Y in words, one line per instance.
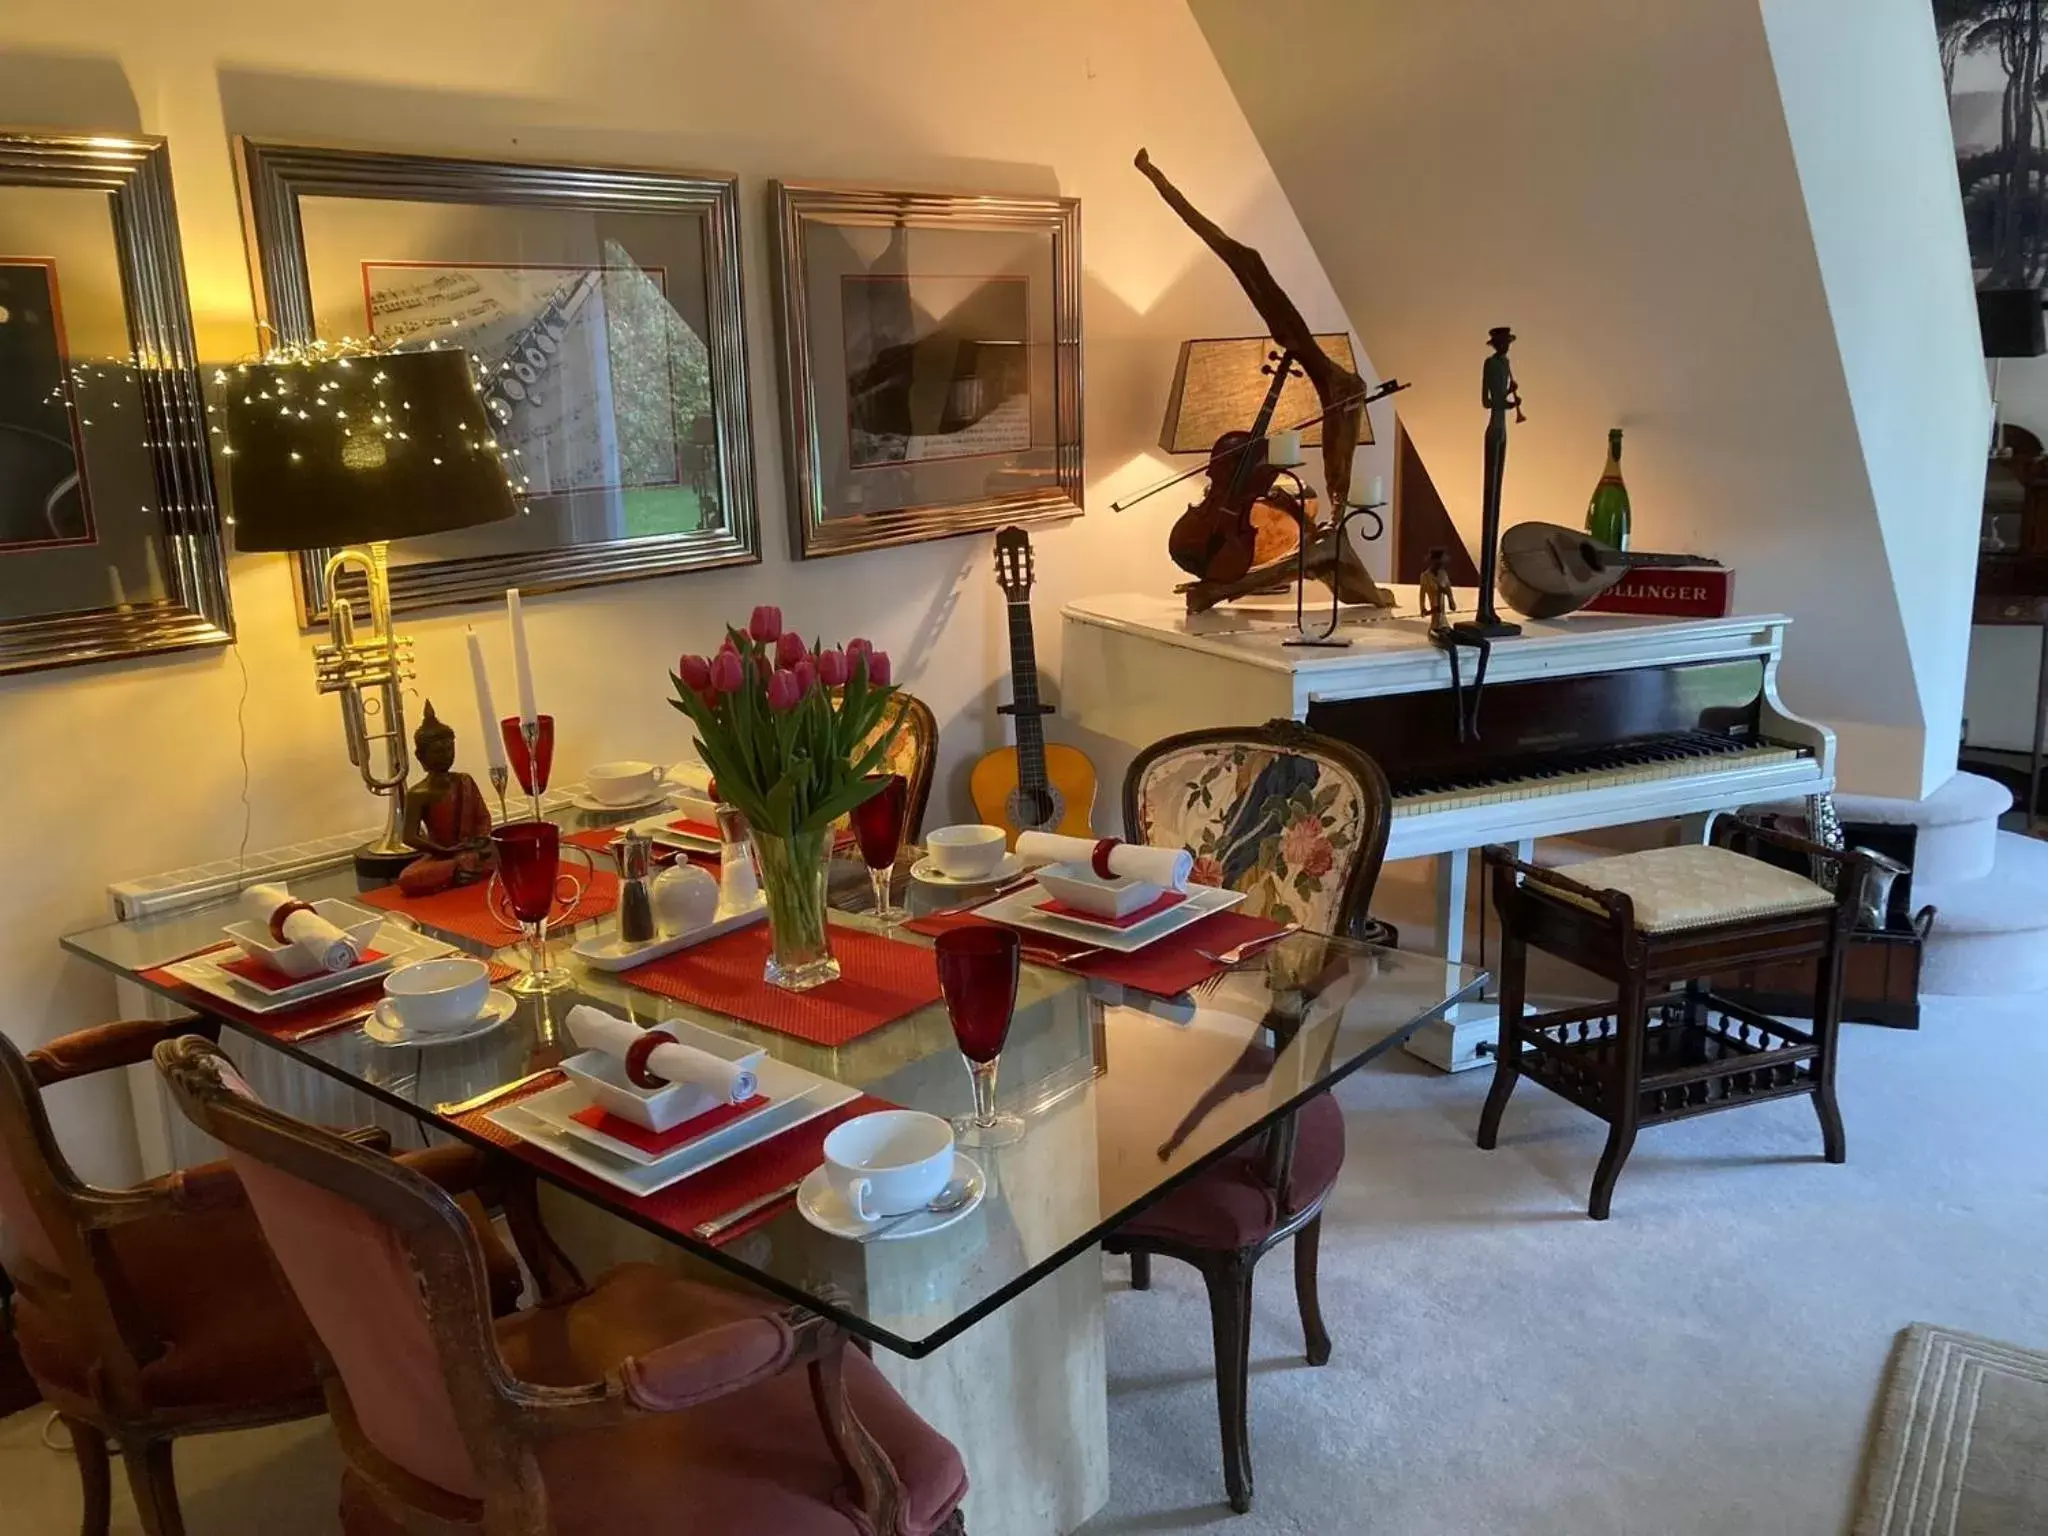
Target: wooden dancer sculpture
column 446, row 817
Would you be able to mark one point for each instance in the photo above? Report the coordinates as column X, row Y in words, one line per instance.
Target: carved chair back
column 1295, row 820
column 911, row 754
column 53, row 1243
column 388, row 1271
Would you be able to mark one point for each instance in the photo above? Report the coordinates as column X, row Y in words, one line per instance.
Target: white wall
column 1618, row 182
column 116, row 771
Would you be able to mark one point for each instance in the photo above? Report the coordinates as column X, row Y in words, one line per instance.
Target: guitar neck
column 1024, row 695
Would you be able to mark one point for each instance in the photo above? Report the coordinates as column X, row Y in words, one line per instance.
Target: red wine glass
column 878, row 828
column 530, row 876
column 978, row 976
column 530, row 766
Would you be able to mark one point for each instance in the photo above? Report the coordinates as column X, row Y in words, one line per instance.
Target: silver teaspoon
column 951, row 1198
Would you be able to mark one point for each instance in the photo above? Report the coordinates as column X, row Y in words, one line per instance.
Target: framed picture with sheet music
column 931, row 352
column 601, row 308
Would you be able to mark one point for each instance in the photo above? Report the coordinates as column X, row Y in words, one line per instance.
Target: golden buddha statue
column 446, row 817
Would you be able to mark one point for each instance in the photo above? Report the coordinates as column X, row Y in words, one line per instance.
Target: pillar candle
column 522, row 667
column 494, row 739
column 1283, row 450
column 1379, row 490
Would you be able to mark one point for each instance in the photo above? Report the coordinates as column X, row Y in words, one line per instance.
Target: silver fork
column 1244, row 951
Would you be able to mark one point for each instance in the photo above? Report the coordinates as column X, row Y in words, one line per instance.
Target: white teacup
column 889, row 1163
column 430, row 995
column 969, row 852
column 627, row 782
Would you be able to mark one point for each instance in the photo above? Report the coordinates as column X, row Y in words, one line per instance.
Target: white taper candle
column 494, row 739
column 522, row 666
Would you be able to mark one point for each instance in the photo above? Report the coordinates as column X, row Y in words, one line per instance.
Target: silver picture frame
column 818, row 527
column 188, row 559
column 276, row 178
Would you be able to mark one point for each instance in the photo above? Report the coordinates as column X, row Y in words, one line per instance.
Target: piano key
column 1646, row 767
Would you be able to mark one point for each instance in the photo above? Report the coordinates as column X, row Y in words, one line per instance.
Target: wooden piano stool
column 1659, row 926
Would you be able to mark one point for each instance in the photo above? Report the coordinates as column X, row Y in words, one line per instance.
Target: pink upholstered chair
column 148, row 1313
column 643, row 1403
column 1298, row 822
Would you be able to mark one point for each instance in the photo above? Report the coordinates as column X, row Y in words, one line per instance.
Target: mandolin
column 1214, row 540
column 1034, row 786
column 1547, row 571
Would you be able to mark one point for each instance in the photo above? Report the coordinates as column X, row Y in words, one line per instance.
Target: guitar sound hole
column 1035, row 809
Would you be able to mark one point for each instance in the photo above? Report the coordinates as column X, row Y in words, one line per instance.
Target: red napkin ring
column 277, row 918
column 1103, row 848
column 636, row 1059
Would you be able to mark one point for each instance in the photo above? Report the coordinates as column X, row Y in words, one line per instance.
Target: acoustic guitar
column 1034, row 786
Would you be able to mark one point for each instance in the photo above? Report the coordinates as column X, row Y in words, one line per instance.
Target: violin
column 1214, row 539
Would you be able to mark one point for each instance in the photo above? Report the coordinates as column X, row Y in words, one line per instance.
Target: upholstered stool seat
column 1695, row 886
column 1659, row 925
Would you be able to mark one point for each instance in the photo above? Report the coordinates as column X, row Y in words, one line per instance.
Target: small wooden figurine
column 1437, row 599
column 446, row 817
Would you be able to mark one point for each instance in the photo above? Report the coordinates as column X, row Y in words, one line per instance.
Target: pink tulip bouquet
column 781, row 725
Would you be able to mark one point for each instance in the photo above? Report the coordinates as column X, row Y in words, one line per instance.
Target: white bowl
column 966, row 852
column 603, row 1076
column 627, row 782
column 890, row 1162
column 254, row 939
column 1079, row 886
column 438, row 994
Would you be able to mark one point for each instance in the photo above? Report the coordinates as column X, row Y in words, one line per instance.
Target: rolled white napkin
column 730, row 1082
column 309, row 932
column 1169, row 867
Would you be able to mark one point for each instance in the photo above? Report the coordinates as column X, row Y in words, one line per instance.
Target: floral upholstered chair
column 911, row 754
column 1298, row 822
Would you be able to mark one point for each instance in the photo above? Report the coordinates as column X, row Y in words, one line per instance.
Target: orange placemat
column 779, row 1161
column 600, row 840
column 881, row 979
column 288, row 1026
column 1166, row 967
column 464, row 910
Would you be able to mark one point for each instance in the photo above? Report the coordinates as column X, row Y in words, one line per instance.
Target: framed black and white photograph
column 110, row 535
column 601, row 310
column 931, row 362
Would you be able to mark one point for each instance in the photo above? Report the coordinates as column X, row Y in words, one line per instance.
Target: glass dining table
column 1125, row 1094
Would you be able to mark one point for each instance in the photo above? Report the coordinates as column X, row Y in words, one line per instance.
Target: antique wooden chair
column 632, row 1405
column 1658, row 926
column 1299, row 823
column 911, row 754
column 152, row 1312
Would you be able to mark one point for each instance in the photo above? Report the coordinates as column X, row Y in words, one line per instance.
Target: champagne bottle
column 1607, row 514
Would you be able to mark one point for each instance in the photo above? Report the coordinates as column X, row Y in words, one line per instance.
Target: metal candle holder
column 1325, row 641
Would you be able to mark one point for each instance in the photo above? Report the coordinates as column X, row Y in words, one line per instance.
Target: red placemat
column 702, row 1196
column 600, row 840
column 880, row 980
column 464, row 910
column 654, row 1143
column 1151, row 909
column 1166, row 967
column 289, row 1026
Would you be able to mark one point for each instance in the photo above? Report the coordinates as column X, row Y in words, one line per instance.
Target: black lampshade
column 350, row 450
column 1219, row 386
column 2011, row 320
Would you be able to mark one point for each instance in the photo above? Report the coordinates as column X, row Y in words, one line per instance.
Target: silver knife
column 739, row 1213
column 492, row 1095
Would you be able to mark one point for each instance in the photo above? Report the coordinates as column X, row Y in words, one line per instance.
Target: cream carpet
column 1707, row 1361
column 1962, row 1443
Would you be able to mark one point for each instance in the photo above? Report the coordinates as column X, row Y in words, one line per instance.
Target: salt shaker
column 634, row 853
column 739, row 884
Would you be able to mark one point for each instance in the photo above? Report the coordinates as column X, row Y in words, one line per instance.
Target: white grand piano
column 1594, row 720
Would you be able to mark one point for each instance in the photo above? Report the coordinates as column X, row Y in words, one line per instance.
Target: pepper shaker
column 634, row 853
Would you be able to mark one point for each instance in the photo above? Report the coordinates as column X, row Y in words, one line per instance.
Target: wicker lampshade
column 1218, row 387
column 353, row 450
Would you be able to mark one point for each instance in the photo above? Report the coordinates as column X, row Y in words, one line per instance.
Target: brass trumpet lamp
column 348, row 453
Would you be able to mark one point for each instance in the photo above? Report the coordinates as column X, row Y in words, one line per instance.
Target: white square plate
column 399, row 946
column 1020, row 910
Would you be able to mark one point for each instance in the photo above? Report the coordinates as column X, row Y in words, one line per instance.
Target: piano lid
column 1394, row 654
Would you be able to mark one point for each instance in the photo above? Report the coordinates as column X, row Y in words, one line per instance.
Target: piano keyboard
column 1685, row 755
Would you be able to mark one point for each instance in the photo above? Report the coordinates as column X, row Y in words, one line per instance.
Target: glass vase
column 794, row 874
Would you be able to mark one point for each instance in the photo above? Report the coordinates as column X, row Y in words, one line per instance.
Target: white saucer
column 383, row 1027
column 823, row 1209
column 1011, row 867
column 584, row 800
